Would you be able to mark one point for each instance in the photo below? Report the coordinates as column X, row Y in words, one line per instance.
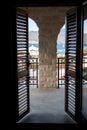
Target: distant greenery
column 85, row 50
column 61, row 56
column 85, row 73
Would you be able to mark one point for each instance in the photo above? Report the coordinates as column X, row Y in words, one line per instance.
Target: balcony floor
column 47, row 106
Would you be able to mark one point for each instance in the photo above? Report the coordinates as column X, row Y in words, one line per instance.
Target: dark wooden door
column 73, row 63
column 22, row 63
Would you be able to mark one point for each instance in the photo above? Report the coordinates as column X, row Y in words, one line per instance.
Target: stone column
column 49, row 21
column 47, row 56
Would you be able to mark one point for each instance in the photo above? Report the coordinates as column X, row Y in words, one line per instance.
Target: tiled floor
column 47, row 106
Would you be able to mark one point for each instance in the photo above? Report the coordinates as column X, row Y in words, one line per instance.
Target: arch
column 33, row 30
column 34, row 27
column 60, row 47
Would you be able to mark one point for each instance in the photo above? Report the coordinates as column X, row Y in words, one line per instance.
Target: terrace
column 47, row 104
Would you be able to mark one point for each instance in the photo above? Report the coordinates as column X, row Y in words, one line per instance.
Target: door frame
column 13, row 58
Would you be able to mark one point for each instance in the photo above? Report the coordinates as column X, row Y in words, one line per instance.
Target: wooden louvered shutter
column 73, row 62
column 22, row 63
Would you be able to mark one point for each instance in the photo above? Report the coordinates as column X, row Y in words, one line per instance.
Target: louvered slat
column 22, row 63
column 70, row 82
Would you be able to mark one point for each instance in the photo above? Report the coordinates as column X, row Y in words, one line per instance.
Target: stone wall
column 47, row 76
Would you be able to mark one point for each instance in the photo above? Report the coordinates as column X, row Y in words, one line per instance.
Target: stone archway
column 49, row 21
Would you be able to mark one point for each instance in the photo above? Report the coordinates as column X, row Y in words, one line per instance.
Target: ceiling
column 48, row 3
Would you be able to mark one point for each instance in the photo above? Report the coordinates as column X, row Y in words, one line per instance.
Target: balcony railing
column 33, row 72
column 60, row 66
column 60, row 71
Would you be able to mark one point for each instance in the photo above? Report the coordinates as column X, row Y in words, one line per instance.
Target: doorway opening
column 47, row 102
column 61, row 57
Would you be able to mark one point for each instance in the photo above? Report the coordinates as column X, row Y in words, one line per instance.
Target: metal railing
column 60, row 72
column 33, row 72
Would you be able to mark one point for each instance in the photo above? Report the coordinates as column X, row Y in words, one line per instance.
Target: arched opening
column 61, row 42
column 33, row 41
column 60, row 48
column 33, row 38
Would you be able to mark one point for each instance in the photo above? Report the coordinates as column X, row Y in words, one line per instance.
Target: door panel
column 72, row 69
column 22, row 63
